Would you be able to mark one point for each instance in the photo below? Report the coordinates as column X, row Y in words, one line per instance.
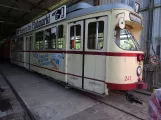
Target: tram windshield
column 125, row 40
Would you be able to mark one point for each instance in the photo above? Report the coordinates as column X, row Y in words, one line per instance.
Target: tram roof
column 83, row 8
column 89, row 9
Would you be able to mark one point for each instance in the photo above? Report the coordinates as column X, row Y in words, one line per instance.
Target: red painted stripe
column 74, row 75
column 113, row 86
column 118, row 54
column 122, row 54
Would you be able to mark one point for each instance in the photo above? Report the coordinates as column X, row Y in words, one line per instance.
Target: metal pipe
column 1, row 5
column 16, row 3
column 75, row 37
column 97, row 26
column 151, row 6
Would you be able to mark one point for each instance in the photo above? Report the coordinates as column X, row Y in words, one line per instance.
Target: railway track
column 144, row 93
column 122, row 99
column 24, row 106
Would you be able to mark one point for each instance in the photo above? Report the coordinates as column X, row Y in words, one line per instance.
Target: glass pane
column 75, row 37
column 71, row 36
column 19, row 44
column 78, row 36
column 50, row 38
column 100, row 34
column 92, row 35
column 13, row 45
column 125, row 40
column 39, row 39
column 47, row 38
column 27, row 43
column 54, row 34
column 60, row 36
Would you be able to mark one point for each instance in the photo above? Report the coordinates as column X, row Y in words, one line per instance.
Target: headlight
column 139, row 71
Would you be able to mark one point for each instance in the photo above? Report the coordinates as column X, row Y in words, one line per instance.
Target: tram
column 92, row 48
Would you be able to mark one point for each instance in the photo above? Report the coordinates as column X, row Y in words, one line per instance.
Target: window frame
column 39, row 41
column 19, row 42
column 75, row 32
column 74, row 23
column 13, row 45
column 51, row 42
column 57, row 29
column 129, row 36
column 61, row 38
column 97, row 35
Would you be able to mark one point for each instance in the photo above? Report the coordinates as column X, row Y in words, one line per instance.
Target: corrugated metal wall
column 156, row 34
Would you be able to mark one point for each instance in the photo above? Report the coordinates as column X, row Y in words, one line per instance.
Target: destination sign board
column 135, row 18
column 52, row 17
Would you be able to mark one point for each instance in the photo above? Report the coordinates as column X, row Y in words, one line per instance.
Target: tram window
column 75, row 37
column 125, row 40
column 60, row 36
column 50, row 38
column 19, row 43
column 95, row 35
column 39, row 40
column 13, row 45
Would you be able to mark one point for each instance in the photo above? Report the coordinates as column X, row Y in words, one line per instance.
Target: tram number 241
column 127, row 78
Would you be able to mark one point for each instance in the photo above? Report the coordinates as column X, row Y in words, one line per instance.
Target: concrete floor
column 50, row 101
column 13, row 109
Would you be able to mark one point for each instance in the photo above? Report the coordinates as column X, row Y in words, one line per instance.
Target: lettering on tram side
column 52, row 17
column 38, row 23
column 54, row 61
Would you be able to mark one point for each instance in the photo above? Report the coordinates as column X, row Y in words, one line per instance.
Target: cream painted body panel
column 120, row 67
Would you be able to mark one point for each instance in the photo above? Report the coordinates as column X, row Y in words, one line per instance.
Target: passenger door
column 95, row 59
column 75, row 54
column 28, row 45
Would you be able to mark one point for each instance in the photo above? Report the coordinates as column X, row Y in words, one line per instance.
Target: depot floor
column 48, row 100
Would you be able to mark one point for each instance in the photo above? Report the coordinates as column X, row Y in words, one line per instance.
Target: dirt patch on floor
column 4, row 102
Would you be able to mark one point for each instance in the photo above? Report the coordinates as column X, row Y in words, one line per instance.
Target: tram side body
column 5, row 50
column 108, row 68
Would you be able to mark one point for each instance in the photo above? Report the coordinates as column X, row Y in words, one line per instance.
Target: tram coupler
column 132, row 99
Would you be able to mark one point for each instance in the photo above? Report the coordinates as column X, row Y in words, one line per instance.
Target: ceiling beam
column 35, row 5
column 1, row 5
column 9, row 23
column 16, row 3
column 21, row 17
column 6, row 21
column 9, row 10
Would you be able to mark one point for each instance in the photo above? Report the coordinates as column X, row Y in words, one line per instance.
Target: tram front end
column 125, row 62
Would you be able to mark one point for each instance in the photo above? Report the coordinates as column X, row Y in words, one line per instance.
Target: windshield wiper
column 133, row 39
